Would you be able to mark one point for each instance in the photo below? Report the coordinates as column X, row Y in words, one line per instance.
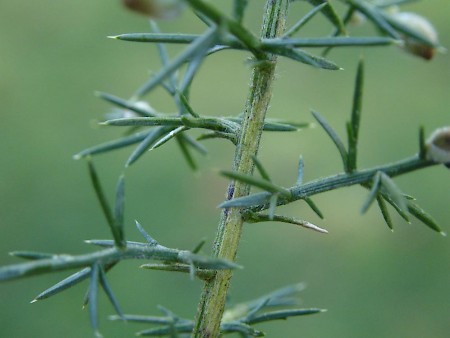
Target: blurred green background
column 373, row 282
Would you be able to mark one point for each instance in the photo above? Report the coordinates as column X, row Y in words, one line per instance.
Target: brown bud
column 438, row 146
column 423, row 27
column 157, row 9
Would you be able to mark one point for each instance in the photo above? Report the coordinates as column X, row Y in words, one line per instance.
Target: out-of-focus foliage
column 373, row 282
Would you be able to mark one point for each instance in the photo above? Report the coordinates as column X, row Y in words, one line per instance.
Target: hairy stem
column 212, row 302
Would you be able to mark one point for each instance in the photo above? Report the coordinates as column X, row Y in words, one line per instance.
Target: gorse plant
column 148, row 129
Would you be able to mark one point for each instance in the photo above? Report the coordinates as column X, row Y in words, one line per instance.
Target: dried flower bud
column 158, row 9
column 438, row 146
column 422, row 26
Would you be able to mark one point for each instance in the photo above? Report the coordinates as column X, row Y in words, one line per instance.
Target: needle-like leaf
column 257, row 182
column 349, row 14
column 199, row 46
column 267, row 44
column 338, row 41
column 306, row 58
column 168, row 312
column 194, row 144
column 394, row 192
column 31, row 255
column 239, row 7
column 64, row 284
column 389, row 3
column 157, row 37
column 199, row 246
column 403, row 214
column 186, row 105
column 150, row 240
column 353, row 129
column 163, row 55
column 93, row 297
column 119, row 209
column 145, row 319
column 191, row 71
column 147, row 142
column 283, row 314
column 272, row 205
column 129, row 105
column 115, row 230
column 330, row 13
column 212, row 123
column 334, row 137
column 105, row 285
column 260, row 168
column 257, row 307
column 113, row 145
column 298, row 125
column 424, row 217
column 247, row 201
column 242, row 329
column 303, row 21
column 207, row 262
column 279, row 127
column 374, row 15
column 182, row 143
column 166, row 330
column 276, row 124
column 145, row 121
column 285, row 296
column 251, row 217
column 184, row 268
column 106, row 243
column 314, row 207
column 373, row 194
column 170, row 135
column 385, row 212
column 422, row 146
column 300, row 170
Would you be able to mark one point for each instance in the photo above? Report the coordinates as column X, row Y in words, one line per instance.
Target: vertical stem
column 212, row 302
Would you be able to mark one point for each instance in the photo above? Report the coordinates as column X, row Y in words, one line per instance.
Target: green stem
column 212, row 302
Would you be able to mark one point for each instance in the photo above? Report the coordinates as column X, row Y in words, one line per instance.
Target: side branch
column 133, row 250
column 260, row 201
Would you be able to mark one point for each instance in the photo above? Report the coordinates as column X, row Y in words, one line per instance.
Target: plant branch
column 260, row 201
column 133, row 250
